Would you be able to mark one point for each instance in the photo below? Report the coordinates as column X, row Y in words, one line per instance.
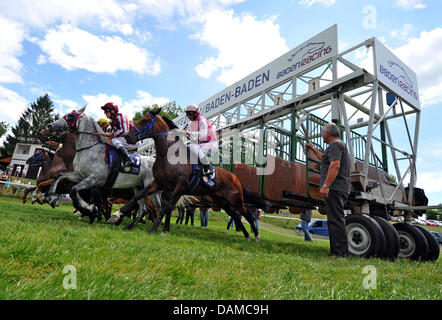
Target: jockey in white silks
column 120, row 125
column 204, row 136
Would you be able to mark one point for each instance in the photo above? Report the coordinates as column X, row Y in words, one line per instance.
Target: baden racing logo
column 397, row 75
column 404, row 76
column 305, row 55
column 312, row 48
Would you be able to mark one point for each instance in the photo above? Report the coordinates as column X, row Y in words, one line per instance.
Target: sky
column 140, row 52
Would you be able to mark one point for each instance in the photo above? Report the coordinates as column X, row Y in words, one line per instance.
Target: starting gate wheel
column 413, row 244
column 364, row 236
column 433, row 246
column 392, row 246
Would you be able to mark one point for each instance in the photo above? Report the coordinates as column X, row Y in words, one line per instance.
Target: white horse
column 90, row 168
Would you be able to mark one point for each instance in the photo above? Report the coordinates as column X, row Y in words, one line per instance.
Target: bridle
column 37, row 159
column 142, row 134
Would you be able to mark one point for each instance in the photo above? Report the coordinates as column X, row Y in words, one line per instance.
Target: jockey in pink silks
column 204, row 135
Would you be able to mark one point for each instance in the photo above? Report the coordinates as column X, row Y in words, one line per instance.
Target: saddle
column 114, row 160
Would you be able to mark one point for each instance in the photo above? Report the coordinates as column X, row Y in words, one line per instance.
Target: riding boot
column 207, row 170
column 126, row 160
column 208, row 175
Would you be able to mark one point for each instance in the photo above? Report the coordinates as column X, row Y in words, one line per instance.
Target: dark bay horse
column 227, row 193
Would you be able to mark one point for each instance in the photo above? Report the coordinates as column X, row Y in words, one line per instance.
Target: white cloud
column 308, row 3
column 11, row 36
column 187, row 10
column 12, row 105
column 431, row 182
column 403, row 33
column 94, row 103
column 421, row 54
column 110, row 15
column 243, row 44
column 143, row 99
column 73, row 48
column 128, row 108
column 410, row 4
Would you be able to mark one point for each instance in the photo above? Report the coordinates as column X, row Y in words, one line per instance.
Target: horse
column 90, row 167
column 43, row 159
column 67, row 153
column 227, row 193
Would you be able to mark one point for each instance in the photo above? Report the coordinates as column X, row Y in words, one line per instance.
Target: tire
column 433, row 245
column 413, row 244
column 392, row 245
column 364, row 236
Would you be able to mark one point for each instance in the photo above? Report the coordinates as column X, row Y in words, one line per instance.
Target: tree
column 33, row 119
column 4, row 126
column 169, row 109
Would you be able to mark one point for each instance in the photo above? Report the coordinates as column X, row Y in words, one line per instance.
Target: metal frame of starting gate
column 337, row 90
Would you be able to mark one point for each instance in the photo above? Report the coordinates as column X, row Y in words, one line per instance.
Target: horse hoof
column 114, row 219
column 257, row 239
column 53, row 203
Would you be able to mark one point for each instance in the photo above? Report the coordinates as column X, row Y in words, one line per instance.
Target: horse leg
column 52, row 198
column 237, row 218
column 128, row 207
column 25, row 195
column 87, row 183
column 250, row 220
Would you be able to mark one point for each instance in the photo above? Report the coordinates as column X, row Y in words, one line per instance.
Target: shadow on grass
column 36, row 214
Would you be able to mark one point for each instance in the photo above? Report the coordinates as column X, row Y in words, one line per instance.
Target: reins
column 150, row 126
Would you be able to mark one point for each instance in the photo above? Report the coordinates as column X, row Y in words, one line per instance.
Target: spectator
column 19, row 188
column 230, row 223
column 190, row 214
column 204, row 217
column 306, row 217
column 24, row 172
column 335, row 182
column 180, row 216
column 18, row 171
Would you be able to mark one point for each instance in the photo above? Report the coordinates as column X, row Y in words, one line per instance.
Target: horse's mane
column 169, row 123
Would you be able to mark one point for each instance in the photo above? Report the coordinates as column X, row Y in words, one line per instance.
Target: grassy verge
column 37, row 243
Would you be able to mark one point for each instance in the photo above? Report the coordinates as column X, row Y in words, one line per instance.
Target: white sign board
column 312, row 52
column 395, row 75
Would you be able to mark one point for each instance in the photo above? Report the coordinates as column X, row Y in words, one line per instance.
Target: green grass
column 37, row 242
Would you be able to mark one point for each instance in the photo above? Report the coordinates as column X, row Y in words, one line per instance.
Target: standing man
column 335, row 182
column 204, row 217
column 190, row 214
column 306, row 217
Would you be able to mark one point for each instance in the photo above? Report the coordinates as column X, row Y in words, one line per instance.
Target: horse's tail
column 255, row 200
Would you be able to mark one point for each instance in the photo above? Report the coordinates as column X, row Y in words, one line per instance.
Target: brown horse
column 177, row 178
column 43, row 159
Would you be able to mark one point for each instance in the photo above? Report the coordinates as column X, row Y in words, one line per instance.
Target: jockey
column 120, row 125
column 204, row 135
column 104, row 125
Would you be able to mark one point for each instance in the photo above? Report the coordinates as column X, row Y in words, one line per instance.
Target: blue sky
column 139, row 52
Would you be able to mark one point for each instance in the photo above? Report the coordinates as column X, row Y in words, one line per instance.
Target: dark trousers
column 180, row 217
column 190, row 214
column 336, row 223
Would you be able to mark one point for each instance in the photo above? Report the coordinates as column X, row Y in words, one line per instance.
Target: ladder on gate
column 314, row 135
